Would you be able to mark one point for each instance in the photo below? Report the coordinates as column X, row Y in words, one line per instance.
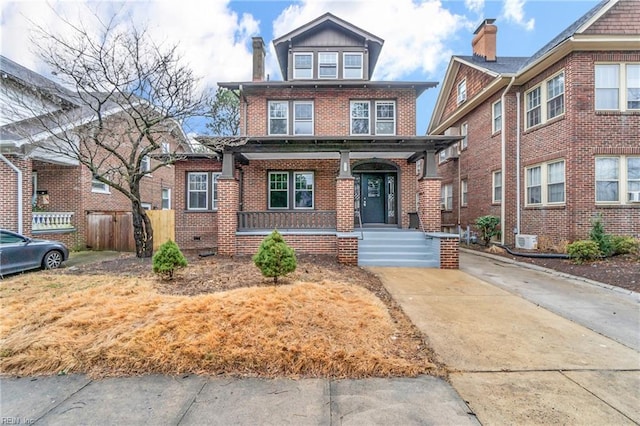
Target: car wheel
column 52, row 260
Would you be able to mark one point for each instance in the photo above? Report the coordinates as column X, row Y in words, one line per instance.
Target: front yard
column 219, row 316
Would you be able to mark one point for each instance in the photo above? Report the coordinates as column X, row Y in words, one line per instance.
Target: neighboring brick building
column 323, row 153
column 57, row 194
column 552, row 140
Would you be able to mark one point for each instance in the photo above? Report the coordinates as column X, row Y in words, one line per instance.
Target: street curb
column 551, row 272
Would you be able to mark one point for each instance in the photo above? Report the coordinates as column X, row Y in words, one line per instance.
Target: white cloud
column 513, row 11
column 476, row 6
column 415, row 32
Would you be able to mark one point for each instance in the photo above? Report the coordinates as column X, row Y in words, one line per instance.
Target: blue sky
column 215, row 35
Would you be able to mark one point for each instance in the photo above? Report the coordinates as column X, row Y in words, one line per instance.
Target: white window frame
column 386, row 120
column 145, row 164
column 446, row 197
column 496, row 118
column 164, row 191
column 206, row 191
column 296, row 120
column 269, row 190
column 296, row 71
column 464, row 190
column 462, row 91
column 622, row 89
column 99, row 187
column 351, row 117
column 622, row 179
column 464, row 131
column 544, row 100
column 322, row 63
column 552, row 97
column 285, row 118
column 165, row 147
column 496, row 184
column 345, row 68
column 545, row 183
column 296, row 190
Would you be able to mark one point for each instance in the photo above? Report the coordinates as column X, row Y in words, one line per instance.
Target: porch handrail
column 316, row 219
column 47, row 221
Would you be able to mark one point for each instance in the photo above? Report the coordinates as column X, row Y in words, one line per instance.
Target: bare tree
column 224, row 112
column 127, row 96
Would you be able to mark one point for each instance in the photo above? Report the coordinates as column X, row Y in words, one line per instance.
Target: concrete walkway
column 515, row 362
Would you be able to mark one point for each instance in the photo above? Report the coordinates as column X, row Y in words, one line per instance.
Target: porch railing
column 286, row 220
column 51, row 221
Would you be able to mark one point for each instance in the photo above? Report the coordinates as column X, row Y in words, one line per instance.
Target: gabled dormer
column 328, row 48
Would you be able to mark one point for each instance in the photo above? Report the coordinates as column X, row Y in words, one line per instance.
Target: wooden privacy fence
column 114, row 230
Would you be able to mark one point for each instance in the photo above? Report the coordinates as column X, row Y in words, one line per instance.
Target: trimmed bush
column 583, row 251
column 167, row 259
column 275, row 258
column 602, row 239
column 624, row 245
column 488, row 228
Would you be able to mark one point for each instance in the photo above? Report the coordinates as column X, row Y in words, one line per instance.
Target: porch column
column 346, row 239
column 429, row 187
column 228, row 193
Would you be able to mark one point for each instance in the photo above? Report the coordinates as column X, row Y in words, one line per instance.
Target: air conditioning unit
column 448, row 153
column 529, row 242
column 634, row 196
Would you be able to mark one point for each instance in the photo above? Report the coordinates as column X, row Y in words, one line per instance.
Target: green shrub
column 602, row 239
column 275, row 258
column 624, row 245
column 488, row 228
column 583, row 251
column 167, row 259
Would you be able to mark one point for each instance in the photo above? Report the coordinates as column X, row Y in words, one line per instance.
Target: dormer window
column 327, row 65
column 352, row 66
column 302, row 65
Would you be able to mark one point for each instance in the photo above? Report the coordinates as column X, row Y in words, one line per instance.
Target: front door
column 373, row 198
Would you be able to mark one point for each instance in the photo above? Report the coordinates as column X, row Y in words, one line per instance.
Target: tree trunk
column 142, row 229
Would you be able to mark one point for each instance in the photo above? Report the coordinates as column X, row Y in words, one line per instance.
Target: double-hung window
column 327, row 65
column 302, row 65
column 166, row 198
column 464, row 129
column 617, row 87
column 145, row 164
column 497, row 116
column 464, row 187
column 497, row 187
column 360, row 117
column 278, row 117
column 446, row 197
column 285, row 186
column 303, row 118
column 202, row 191
column 545, row 101
column 385, row 118
column 546, row 183
column 462, row 91
column 352, row 66
column 616, row 176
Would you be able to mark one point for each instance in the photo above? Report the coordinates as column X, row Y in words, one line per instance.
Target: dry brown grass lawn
column 123, row 325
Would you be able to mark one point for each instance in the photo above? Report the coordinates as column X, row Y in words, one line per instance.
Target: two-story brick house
column 326, row 154
column 551, row 140
column 45, row 195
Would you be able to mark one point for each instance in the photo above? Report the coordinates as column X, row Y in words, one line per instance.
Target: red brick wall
column 430, row 204
column 475, row 81
column 9, row 194
column 622, row 18
column 331, row 108
column 344, row 200
column 449, row 253
column 311, row 244
column 227, row 215
column 348, row 250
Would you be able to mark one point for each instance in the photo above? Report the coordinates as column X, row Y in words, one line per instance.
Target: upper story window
column 617, row 87
column 303, row 65
column 464, row 129
column 352, row 66
column 545, row 101
column 166, row 198
column 618, row 179
column 496, row 197
column 278, row 117
column 446, row 197
column 497, row 116
column 145, row 164
column 462, row 91
column 327, row 65
column 360, row 117
column 97, row 186
column 303, row 118
column 385, row 118
column 165, row 147
column 464, row 188
column 546, row 183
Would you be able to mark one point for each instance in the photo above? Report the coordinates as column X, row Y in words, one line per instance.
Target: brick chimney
column 258, row 58
column 484, row 41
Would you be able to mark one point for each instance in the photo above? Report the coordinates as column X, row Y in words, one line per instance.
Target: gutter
column 503, row 159
column 20, row 194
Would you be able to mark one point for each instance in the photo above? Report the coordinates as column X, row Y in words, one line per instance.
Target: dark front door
column 373, row 197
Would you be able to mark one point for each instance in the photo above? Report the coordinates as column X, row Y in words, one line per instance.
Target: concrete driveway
column 513, row 361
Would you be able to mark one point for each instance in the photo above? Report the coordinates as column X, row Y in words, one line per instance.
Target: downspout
column 503, row 160
column 20, row 195
column 518, row 213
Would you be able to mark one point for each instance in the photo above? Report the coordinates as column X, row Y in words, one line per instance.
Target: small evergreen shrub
column 167, row 259
column 602, row 239
column 274, row 257
column 583, row 251
column 488, row 228
column 624, row 245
